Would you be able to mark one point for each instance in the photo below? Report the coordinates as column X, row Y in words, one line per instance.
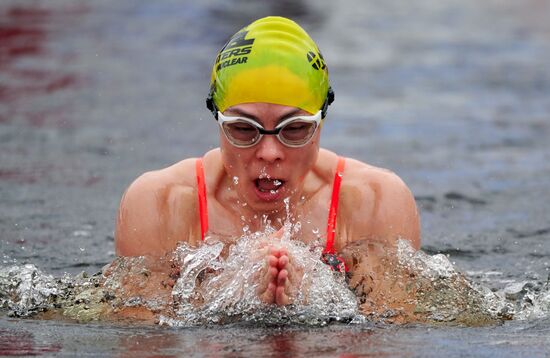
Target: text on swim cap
column 234, row 51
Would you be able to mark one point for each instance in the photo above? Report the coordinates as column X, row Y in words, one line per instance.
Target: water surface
column 453, row 97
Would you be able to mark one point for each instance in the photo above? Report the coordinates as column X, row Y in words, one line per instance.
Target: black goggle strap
column 327, row 102
column 210, row 101
column 214, row 109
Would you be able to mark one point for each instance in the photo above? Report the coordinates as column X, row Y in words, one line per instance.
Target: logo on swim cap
column 317, row 62
column 272, row 60
column 235, row 50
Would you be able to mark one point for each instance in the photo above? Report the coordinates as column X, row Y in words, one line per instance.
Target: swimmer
column 269, row 97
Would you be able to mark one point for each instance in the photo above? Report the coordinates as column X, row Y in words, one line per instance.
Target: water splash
column 263, row 174
column 231, row 294
column 219, row 285
column 444, row 294
column 24, row 290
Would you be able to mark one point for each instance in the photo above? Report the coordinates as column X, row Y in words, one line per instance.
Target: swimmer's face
column 269, row 171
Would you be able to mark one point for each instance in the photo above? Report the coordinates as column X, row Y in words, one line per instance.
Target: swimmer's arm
column 154, row 215
column 387, row 211
column 397, row 215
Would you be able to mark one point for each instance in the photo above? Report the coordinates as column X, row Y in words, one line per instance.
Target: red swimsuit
column 333, row 211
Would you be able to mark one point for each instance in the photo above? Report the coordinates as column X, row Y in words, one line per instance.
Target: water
column 453, row 96
column 404, row 286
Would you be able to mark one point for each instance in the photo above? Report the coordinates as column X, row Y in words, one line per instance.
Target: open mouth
column 268, row 185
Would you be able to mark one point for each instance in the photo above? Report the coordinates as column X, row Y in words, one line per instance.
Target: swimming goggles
column 293, row 132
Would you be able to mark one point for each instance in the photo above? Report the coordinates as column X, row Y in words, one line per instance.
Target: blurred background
column 453, row 96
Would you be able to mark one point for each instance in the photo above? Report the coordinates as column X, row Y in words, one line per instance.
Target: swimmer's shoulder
column 369, row 176
column 382, row 204
column 357, row 173
column 179, row 176
column 178, row 179
column 158, row 210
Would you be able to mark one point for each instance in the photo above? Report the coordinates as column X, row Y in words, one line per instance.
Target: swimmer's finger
column 272, row 274
column 282, row 262
column 281, row 297
column 269, row 278
column 295, row 274
column 290, row 275
column 282, row 277
column 272, row 261
column 268, row 296
column 275, row 251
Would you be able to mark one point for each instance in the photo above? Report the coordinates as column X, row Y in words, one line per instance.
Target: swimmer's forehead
column 250, row 111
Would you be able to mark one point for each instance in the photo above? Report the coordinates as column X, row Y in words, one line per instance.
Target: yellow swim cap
column 271, row 60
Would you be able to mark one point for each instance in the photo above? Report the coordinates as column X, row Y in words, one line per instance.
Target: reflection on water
column 23, row 343
column 24, row 48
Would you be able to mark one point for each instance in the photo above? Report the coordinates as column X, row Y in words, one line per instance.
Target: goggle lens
column 241, row 133
column 293, row 132
column 298, row 132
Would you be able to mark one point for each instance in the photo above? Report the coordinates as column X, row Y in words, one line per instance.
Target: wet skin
column 160, row 208
column 280, row 278
column 273, row 288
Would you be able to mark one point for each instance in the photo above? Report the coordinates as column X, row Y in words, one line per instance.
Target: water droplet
column 235, row 180
column 81, row 233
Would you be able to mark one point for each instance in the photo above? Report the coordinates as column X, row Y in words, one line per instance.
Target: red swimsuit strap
column 333, row 211
column 201, row 188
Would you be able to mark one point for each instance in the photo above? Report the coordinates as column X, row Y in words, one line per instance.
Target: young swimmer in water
column 269, row 94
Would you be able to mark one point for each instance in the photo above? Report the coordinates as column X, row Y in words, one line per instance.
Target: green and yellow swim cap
column 271, row 60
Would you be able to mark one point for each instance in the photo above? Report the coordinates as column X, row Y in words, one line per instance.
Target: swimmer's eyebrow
column 243, row 113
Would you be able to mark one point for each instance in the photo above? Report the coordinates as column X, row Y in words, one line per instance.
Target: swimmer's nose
column 270, row 149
